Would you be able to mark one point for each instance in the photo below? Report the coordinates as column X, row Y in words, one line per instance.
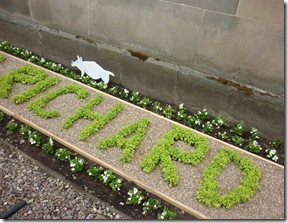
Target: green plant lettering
column 208, row 189
column 98, row 121
column 26, row 74
column 37, row 105
column 164, row 152
column 130, row 144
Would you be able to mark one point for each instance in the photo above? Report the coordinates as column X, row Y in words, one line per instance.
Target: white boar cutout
column 92, row 69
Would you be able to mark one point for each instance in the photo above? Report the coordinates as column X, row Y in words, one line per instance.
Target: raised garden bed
column 160, row 136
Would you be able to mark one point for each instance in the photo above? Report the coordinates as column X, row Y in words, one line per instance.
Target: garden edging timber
column 165, row 124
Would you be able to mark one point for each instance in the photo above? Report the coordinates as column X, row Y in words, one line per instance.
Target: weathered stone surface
column 70, row 17
column 160, row 29
column 20, row 33
column 271, row 11
column 243, row 50
column 15, row 7
column 226, row 6
column 198, row 91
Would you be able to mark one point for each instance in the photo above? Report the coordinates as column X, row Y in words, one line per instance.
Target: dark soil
column 82, row 179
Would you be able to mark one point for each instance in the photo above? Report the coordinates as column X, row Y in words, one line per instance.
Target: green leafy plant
column 77, row 164
column 202, row 115
column 218, row 121
column 2, row 58
column 11, row 127
column 222, row 135
column 157, row 107
column 144, row 102
column 1, row 116
column 208, row 188
column 24, row 129
column 181, row 114
column 48, row 147
column 95, row 172
column 113, row 90
column 166, row 214
column 135, row 97
column 151, row 205
column 63, row 154
column 237, row 128
column 238, row 140
column 135, row 196
column 253, row 147
column 193, row 121
column 34, row 138
column 254, row 133
column 168, row 111
column 124, row 94
column 275, row 143
column 207, row 127
column 102, row 86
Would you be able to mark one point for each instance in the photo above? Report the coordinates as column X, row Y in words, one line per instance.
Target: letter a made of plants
column 128, row 144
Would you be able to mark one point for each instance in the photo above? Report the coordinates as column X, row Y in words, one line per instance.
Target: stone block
column 156, row 28
column 242, row 50
column 70, row 16
column 270, row 11
column 152, row 78
column 15, row 7
column 60, row 46
column 20, row 33
column 226, row 6
column 199, row 91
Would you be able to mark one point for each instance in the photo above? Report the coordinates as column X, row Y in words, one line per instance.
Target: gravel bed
column 52, row 198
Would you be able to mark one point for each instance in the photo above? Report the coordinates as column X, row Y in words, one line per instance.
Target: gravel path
column 52, row 197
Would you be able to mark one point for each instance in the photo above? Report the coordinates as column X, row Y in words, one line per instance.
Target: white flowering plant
column 144, row 102
column 11, row 127
column 110, row 179
column 181, row 114
column 207, row 127
column 168, row 111
column 222, row 135
column 135, row 196
column 254, row 133
column 237, row 128
column 238, row 140
column 34, row 138
column 193, row 121
column 77, row 164
column 272, row 154
column 113, row 90
column 157, row 107
column 24, row 129
column 166, row 214
column 151, row 205
column 135, row 97
column 48, row 147
column 253, row 146
column 124, row 94
column 63, row 154
column 218, row 121
column 95, row 172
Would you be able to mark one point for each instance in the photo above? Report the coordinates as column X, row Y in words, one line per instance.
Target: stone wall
column 223, row 55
